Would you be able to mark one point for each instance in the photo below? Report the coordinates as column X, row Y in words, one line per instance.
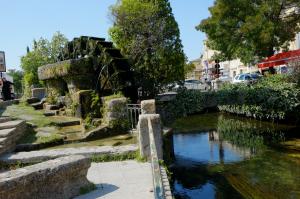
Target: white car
column 193, row 84
column 246, row 78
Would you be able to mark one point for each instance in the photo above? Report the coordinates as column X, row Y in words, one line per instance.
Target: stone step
column 3, row 141
column 51, row 113
column 11, row 124
column 38, row 105
column 32, row 100
column 43, row 155
column 50, row 107
column 5, row 119
column 6, row 132
column 67, row 123
column 2, row 149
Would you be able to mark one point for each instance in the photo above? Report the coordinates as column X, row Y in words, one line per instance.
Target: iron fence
column 133, row 111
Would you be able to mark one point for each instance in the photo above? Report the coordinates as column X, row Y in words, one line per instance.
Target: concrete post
column 157, row 134
column 144, row 135
column 148, row 107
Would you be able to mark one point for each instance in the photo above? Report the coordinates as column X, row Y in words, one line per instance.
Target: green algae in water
column 233, row 157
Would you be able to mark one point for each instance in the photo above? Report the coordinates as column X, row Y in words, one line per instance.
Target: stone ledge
column 6, row 132
column 11, row 124
column 59, row 178
column 66, row 68
column 43, row 155
column 5, row 119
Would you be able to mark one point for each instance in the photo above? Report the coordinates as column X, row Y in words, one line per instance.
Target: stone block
column 98, row 133
column 144, row 135
column 59, row 178
column 148, row 107
column 39, row 93
column 51, row 107
column 82, row 103
column 11, row 124
column 116, row 112
column 5, row 119
column 33, row 100
column 6, row 132
column 80, row 82
column 157, row 134
column 55, row 88
column 10, row 133
column 51, row 113
column 38, row 105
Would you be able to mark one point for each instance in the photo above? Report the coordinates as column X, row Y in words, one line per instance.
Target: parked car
column 194, row 84
column 247, row 78
column 190, row 84
column 225, row 79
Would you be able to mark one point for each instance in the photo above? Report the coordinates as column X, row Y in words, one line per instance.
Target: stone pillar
column 144, row 135
column 157, row 134
column 116, row 113
column 56, row 87
column 148, row 107
column 80, row 82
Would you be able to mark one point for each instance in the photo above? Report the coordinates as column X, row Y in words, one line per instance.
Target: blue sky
column 22, row 21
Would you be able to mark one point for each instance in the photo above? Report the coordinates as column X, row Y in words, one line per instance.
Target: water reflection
column 233, row 159
column 207, row 148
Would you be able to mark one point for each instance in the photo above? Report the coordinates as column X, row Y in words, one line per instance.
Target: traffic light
column 217, row 68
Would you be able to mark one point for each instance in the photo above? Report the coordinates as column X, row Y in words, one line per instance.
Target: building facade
column 230, row 68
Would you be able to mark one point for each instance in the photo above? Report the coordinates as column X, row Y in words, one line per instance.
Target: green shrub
column 272, row 98
column 189, row 102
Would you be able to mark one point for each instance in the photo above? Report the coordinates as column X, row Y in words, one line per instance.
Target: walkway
column 116, row 180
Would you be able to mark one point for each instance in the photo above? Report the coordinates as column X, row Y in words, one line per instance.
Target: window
column 242, row 77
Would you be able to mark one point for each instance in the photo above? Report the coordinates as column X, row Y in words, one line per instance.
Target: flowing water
column 223, row 156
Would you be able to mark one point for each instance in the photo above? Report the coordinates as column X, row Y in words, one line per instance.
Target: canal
column 224, row 156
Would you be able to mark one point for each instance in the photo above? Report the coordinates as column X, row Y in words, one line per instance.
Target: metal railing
column 133, row 111
column 156, row 172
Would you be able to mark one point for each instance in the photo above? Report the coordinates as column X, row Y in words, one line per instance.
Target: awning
column 280, row 59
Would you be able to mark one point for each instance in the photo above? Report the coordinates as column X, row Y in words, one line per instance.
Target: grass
column 114, row 157
column 36, row 117
column 9, row 167
column 30, row 137
column 119, row 140
column 27, row 113
column 118, row 157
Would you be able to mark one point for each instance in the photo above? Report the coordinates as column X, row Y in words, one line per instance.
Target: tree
column 251, row 29
column 148, row 35
column 18, row 78
column 188, row 68
column 43, row 52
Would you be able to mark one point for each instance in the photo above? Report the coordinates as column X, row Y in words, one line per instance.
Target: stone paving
column 43, row 155
column 116, row 180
